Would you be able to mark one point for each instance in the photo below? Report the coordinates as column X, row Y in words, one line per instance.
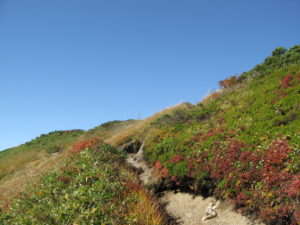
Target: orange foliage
column 228, row 82
column 158, row 165
column 77, row 147
column 162, row 171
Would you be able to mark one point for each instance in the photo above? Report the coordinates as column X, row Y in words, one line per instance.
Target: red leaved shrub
column 224, row 159
column 158, row 165
column 161, row 169
column 286, row 81
column 274, row 158
column 277, row 153
column 81, row 145
column 293, row 190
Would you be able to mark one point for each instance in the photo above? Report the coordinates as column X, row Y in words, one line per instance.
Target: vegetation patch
column 93, row 187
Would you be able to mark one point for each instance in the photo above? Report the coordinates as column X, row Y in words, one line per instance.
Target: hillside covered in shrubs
column 92, row 187
column 242, row 142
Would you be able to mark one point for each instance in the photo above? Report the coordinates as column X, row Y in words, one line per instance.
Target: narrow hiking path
column 186, row 208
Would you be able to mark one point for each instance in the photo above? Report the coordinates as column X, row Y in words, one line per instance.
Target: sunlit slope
column 242, row 142
column 94, row 186
column 27, row 162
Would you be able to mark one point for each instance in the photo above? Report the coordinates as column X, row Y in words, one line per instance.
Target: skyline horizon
column 139, row 114
column 74, row 65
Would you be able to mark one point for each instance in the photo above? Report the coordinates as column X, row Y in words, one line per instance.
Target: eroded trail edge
column 186, row 208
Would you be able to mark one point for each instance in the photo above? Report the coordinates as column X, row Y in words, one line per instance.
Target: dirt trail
column 185, row 207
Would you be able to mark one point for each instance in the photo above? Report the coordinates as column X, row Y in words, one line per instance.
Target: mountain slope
column 241, row 143
column 29, row 161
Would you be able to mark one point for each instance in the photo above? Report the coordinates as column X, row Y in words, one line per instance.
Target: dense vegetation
column 242, row 142
column 94, row 187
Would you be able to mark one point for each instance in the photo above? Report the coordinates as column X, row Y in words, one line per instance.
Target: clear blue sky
column 68, row 64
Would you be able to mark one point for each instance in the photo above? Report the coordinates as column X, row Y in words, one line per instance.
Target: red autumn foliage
column 273, row 171
column 162, row 171
column 286, row 81
column 277, row 153
column 257, row 180
column 158, row 165
column 293, row 189
column 224, row 159
column 240, row 170
column 81, row 145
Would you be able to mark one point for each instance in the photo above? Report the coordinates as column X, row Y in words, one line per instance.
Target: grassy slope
column 29, row 161
column 93, row 187
column 241, row 142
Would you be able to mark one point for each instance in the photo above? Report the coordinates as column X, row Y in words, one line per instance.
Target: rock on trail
column 189, row 210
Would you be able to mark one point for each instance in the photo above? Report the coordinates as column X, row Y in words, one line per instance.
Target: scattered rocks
column 211, row 211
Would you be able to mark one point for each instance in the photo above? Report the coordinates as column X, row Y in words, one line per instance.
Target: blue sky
column 68, row 64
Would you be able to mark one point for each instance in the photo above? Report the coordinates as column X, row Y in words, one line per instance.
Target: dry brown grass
column 141, row 128
column 145, row 209
column 22, row 168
